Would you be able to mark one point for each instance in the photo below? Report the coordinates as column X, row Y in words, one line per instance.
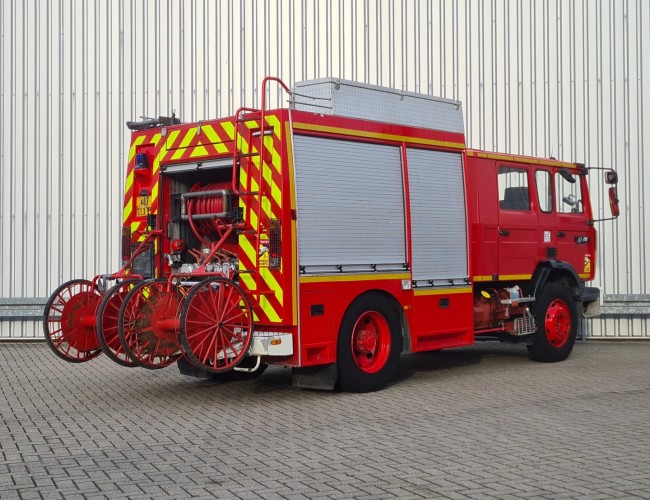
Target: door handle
column 561, row 234
column 504, row 232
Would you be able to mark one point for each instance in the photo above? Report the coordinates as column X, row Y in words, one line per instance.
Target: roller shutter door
column 350, row 205
column 438, row 216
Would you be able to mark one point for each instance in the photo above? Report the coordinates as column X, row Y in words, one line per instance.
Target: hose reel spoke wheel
column 69, row 321
column 148, row 324
column 216, row 325
column 108, row 314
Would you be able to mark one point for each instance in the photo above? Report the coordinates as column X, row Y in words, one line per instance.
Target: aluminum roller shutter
column 438, row 216
column 350, row 205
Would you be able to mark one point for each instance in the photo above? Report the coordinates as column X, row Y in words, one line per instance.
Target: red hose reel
column 208, row 207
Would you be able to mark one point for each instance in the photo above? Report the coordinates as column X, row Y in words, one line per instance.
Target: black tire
column 362, row 368
column 556, row 317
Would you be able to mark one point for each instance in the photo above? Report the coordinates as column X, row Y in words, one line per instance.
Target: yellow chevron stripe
column 163, row 150
column 229, row 129
column 275, row 123
column 273, row 284
column 247, row 247
column 276, row 160
column 199, row 151
column 154, row 193
column 214, row 139
column 247, row 279
column 128, row 208
column 211, row 133
column 276, row 194
column 184, row 143
column 138, row 140
column 129, row 182
column 268, row 310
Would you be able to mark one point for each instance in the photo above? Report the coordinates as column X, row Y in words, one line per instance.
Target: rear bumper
column 591, row 301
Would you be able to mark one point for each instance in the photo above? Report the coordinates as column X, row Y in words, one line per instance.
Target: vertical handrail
column 235, row 151
column 260, row 180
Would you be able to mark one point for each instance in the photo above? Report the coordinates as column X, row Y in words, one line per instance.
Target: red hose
column 207, row 205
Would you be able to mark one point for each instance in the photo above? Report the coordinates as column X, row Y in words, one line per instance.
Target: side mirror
column 613, row 201
column 611, row 177
column 567, row 176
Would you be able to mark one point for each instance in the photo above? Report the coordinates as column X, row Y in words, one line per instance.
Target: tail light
column 275, row 244
column 126, row 243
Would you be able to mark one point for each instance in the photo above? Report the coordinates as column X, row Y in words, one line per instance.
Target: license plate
column 143, row 207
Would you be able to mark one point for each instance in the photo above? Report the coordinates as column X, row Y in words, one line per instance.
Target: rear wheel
column 369, row 344
column 69, row 321
column 556, row 317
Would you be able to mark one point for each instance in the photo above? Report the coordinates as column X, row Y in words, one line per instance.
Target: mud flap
column 315, row 377
column 591, row 302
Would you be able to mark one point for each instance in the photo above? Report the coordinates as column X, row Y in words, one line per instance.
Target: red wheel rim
column 557, row 323
column 148, row 325
column 70, row 321
column 108, row 314
column 217, row 325
column 371, row 342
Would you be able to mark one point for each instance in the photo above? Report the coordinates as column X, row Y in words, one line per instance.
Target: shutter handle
column 504, row 232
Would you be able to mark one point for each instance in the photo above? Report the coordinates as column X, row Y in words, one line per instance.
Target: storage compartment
column 200, row 208
column 333, row 96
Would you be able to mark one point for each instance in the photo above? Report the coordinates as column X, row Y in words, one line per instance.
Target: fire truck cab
column 331, row 237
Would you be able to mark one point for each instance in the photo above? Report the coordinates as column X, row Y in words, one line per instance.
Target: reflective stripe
column 443, row 291
column 138, row 140
column 272, row 283
column 184, row 143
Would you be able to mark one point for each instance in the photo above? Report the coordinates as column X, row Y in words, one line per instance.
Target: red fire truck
column 330, row 237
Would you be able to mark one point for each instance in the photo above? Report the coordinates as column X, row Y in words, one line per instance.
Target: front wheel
column 369, row 344
column 556, row 316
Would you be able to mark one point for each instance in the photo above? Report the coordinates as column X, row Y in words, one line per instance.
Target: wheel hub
column 371, row 342
column 557, row 323
column 367, row 342
column 79, row 329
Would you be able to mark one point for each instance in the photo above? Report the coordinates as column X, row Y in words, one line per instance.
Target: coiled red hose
column 207, row 205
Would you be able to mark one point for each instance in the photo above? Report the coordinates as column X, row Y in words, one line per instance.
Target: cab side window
column 513, row 189
column 568, row 198
column 544, row 190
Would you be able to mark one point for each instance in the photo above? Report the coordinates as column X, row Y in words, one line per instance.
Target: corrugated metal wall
column 551, row 78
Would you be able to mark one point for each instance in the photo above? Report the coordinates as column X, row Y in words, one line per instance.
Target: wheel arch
column 555, row 271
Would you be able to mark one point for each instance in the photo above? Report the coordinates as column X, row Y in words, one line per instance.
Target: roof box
column 333, row 96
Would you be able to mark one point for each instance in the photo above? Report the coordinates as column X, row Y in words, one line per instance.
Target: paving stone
column 478, row 422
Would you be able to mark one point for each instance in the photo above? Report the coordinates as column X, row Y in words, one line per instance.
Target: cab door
column 572, row 232
column 547, row 234
column 518, row 225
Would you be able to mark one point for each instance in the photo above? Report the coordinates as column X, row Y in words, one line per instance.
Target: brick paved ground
column 480, row 422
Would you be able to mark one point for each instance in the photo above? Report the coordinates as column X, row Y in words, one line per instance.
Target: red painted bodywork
column 313, row 308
